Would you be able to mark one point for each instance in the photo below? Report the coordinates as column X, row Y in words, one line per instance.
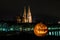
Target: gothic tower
column 29, row 16
column 24, row 19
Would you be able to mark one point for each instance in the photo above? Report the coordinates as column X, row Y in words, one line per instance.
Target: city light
column 52, row 30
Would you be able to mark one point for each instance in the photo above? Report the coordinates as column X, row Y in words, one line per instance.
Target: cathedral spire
column 24, row 16
column 29, row 16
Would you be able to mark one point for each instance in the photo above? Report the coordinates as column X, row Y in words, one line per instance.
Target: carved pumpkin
column 40, row 29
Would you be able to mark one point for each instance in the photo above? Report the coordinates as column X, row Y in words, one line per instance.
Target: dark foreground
column 26, row 36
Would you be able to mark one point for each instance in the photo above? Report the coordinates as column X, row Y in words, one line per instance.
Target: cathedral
column 26, row 18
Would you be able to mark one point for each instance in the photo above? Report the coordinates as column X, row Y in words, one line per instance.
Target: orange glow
column 40, row 29
column 18, row 19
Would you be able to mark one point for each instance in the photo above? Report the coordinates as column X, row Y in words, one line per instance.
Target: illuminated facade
column 27, row 17
column 24, row 19
column 18, row 19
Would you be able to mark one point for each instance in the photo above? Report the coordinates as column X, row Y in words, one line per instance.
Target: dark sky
column 9, row 9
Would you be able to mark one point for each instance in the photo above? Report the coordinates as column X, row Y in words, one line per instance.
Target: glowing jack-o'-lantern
column 40, row 29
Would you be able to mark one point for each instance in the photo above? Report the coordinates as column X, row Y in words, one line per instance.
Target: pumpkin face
column 40, row 29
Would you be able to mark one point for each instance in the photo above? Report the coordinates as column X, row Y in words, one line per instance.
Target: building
column 27, row 17
column 18, row 19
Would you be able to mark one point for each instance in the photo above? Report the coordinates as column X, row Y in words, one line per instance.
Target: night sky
column 9, row 9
